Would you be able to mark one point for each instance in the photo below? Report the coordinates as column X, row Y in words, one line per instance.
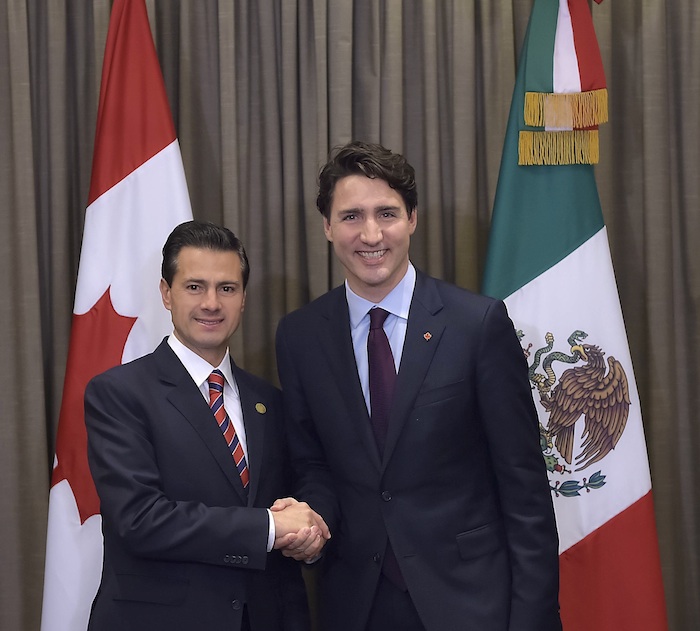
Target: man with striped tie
column 188, row 453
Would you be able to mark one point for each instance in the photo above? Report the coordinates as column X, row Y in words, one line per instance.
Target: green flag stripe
column 539, row 66
column 541, row 213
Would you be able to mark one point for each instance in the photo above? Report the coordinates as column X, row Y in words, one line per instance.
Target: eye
column 192, row 287
column 349, row 217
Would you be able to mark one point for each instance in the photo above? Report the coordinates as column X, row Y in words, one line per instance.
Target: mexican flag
column 549, row 260
column 137, row 196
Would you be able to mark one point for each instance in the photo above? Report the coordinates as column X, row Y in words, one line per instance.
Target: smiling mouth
column 209, row 322
column 370, row 256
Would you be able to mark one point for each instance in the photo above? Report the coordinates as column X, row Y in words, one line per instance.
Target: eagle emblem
column 593, row 396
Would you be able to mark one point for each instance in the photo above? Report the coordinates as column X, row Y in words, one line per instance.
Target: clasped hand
column 300, row 532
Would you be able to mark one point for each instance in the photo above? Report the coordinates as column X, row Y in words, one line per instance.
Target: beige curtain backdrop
column 260, row 90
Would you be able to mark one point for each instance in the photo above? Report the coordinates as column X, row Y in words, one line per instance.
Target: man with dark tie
column 188, row 452
column 413, row 430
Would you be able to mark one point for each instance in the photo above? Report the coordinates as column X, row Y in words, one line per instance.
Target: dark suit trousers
column 392, row 609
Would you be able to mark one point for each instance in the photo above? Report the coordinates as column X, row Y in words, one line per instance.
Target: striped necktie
column 216, row 403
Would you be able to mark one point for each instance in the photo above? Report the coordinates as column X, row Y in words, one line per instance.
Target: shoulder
column 257, row 384
column 322, row 307
column 437, row 293
column 143, row 370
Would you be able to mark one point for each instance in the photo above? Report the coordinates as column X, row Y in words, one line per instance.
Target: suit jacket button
column 227, row 559
column 377, row 557
column 236, row 604
column 386, row 496
column 245, row 560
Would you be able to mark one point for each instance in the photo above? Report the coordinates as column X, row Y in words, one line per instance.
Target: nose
column 371, row 232
column 210, row 299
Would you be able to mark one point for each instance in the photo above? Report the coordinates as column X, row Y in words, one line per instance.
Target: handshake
column 300, row 532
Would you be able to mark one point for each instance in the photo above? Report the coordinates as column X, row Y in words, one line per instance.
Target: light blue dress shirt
column 397, row 302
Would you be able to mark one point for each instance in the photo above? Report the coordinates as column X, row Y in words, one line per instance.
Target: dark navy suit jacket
column 461, row 491
column 184, row 548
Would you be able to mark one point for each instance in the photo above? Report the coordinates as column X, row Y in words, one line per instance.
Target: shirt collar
column 396, row 302
column 199, row 368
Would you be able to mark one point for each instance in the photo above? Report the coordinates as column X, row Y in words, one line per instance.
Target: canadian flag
column 138, row 194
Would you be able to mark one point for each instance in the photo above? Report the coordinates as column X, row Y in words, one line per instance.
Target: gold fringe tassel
column 577, row 110
column 558, row 147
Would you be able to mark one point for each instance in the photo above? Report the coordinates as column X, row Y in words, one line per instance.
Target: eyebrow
column 202, row 281
column 388, row 207
column 375, row 209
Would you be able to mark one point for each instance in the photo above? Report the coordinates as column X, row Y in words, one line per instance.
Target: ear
column 165, row 293
column 413, row 221
column 327, row 229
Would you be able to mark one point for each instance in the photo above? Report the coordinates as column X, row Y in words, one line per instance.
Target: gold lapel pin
column 260, row 408
column 427, row 335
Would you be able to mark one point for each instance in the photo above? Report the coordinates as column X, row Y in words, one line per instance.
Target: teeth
column 373, row 255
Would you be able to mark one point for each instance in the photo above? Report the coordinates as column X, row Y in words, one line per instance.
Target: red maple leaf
column 96, row 343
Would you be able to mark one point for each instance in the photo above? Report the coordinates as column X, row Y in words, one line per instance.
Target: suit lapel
column 254, row 408
column 185, row 396
column 425, row 328
column 336, row 342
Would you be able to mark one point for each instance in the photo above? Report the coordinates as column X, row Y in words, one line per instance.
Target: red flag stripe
column 590, row 63
column 599, row 573
column 134, row 121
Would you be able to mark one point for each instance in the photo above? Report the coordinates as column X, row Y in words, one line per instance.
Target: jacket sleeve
column 314, row 480
column 511, row 426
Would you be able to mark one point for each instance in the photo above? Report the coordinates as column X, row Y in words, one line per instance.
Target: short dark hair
column 203, row 235
column 373, row 161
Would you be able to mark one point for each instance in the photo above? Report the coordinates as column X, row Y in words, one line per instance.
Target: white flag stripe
column 73, row 562
column 127, row 220
column 580, row 293
column 130, row 219
column 566, row 77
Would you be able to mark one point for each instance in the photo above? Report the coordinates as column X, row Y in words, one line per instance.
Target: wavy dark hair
column 373, row 161
column 203, row 235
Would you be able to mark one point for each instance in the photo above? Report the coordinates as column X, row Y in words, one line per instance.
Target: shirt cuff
column 270, row 531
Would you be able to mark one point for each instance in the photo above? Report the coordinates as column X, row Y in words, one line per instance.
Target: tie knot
column 216, row 380
column 377, row 317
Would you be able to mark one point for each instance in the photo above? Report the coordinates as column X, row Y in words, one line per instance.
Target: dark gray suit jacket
column 461, row 491
column 183, row 547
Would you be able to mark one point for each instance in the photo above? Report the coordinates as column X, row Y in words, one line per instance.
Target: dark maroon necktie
column 382, row 375
column 382, row 379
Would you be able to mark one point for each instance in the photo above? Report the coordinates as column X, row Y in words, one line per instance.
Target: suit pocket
column 441, row 393
column 480, row 541
column 160, row 590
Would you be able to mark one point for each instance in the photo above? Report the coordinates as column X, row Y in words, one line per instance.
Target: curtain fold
column 260, row 91
column 23, row 410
